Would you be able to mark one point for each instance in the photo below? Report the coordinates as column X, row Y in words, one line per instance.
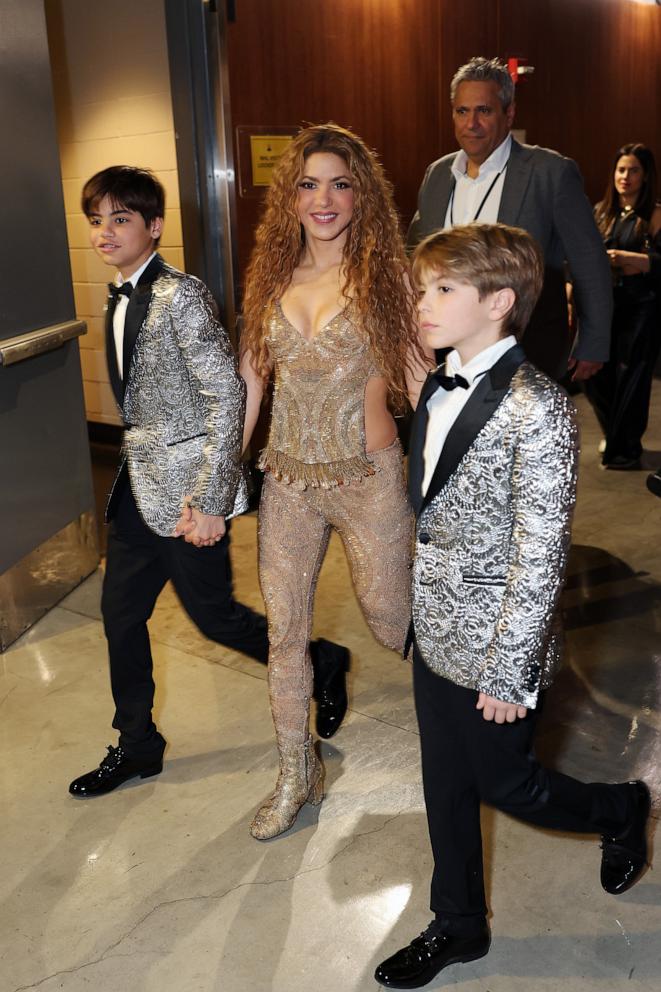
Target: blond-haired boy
column 492, row 478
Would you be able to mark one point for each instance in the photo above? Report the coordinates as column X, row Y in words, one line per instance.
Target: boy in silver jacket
column 492, row 478
column 174, row 376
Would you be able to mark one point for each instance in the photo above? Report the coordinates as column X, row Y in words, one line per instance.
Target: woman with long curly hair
column 329, row 312
column 629, row 218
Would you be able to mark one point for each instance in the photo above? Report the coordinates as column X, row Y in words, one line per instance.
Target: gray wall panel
column 35, row 288
column 45, row 479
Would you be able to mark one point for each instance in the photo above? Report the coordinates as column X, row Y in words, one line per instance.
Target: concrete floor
column 159, row 887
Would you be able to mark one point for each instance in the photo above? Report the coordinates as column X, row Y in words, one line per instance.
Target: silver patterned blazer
column 182, row 400
column 493, row 533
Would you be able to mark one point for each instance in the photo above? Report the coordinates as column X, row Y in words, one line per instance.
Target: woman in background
column 629, row 219
column 329, row 311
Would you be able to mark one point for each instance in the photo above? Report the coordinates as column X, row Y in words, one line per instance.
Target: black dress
column 620, row 392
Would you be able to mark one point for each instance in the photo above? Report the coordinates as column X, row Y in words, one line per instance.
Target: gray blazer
column 493, row 533
column 182, row 400
column 542, row 193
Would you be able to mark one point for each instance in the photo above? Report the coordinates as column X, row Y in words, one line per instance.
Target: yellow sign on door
column 265, row 150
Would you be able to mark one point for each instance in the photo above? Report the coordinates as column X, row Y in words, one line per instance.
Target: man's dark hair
column 128, row 187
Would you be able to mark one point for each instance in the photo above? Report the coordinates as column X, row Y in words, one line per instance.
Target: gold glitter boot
column 301, row 780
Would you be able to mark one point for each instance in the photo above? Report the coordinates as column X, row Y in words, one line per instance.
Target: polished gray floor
column 160, row 887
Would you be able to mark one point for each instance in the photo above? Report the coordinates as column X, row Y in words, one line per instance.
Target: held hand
column 201, row 529
column 185, row 522
column 583, row 370
column 498, row 710
column 207, row 529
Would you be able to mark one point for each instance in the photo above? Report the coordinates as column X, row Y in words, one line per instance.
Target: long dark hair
column 607, row 210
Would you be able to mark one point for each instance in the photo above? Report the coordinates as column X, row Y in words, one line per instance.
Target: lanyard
column 484, row 198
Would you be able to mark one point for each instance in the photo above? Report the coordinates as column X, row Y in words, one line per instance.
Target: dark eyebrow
column 333, row 180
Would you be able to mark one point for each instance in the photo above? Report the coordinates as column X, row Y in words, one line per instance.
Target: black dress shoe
column 330, row 663
column 424, row 957
column 116, row 767
column 654, row 482
column 624, row 857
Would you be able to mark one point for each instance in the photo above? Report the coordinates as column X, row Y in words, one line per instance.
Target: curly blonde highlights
column 374, row 262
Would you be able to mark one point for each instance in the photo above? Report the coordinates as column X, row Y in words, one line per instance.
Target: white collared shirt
column 445, row 406
column 119, row 314
column 468, row 193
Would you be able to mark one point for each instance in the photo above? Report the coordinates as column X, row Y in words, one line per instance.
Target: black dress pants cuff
column 151, row 747
column 460, row 926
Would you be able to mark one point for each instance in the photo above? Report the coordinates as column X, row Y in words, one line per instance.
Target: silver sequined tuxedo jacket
column 182, row 400
column 493, row 533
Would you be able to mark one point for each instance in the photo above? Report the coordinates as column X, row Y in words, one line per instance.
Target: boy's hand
column 498, row 710
column 185, row 524
column 208, row 529
column 201, row 529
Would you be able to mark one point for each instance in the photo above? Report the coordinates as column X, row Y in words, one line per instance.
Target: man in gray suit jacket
column 494, row 178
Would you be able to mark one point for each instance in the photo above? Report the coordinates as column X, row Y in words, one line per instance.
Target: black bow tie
column 449, row 381
column 124, row 290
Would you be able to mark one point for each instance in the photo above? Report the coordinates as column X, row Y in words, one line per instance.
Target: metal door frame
column 199, row 80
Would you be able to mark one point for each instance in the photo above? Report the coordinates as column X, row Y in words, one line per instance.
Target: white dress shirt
column 468, row 194
column 119, row 314
column 444, row 406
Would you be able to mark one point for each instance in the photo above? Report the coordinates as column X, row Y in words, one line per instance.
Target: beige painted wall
column 113, row 105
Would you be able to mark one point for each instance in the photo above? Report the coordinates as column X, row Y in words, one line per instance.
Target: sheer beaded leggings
column 375, row 522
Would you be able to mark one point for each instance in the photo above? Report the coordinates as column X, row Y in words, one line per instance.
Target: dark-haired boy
column 492, row 475
column 174, row 376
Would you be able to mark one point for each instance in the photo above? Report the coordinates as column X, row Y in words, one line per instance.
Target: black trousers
column 620, row 392
column 467, row 760
column 139, row 564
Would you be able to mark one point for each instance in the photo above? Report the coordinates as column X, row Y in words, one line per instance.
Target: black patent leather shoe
column 424, row 957
column 654, row 482
column 116, row 767
column 330, row 663
column 624, row 858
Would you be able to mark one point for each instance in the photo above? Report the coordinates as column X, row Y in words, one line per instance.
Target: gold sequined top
column 317, row 432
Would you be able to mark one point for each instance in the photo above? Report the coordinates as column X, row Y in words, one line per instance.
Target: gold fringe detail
column 319, row 475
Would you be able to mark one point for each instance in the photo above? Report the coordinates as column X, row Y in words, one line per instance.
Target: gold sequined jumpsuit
column 319, row 476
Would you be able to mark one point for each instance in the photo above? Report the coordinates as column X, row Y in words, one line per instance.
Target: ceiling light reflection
column 45, row 671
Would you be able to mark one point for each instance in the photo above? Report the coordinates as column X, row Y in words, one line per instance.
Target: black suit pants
column 139, row 564
column 467, row 760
